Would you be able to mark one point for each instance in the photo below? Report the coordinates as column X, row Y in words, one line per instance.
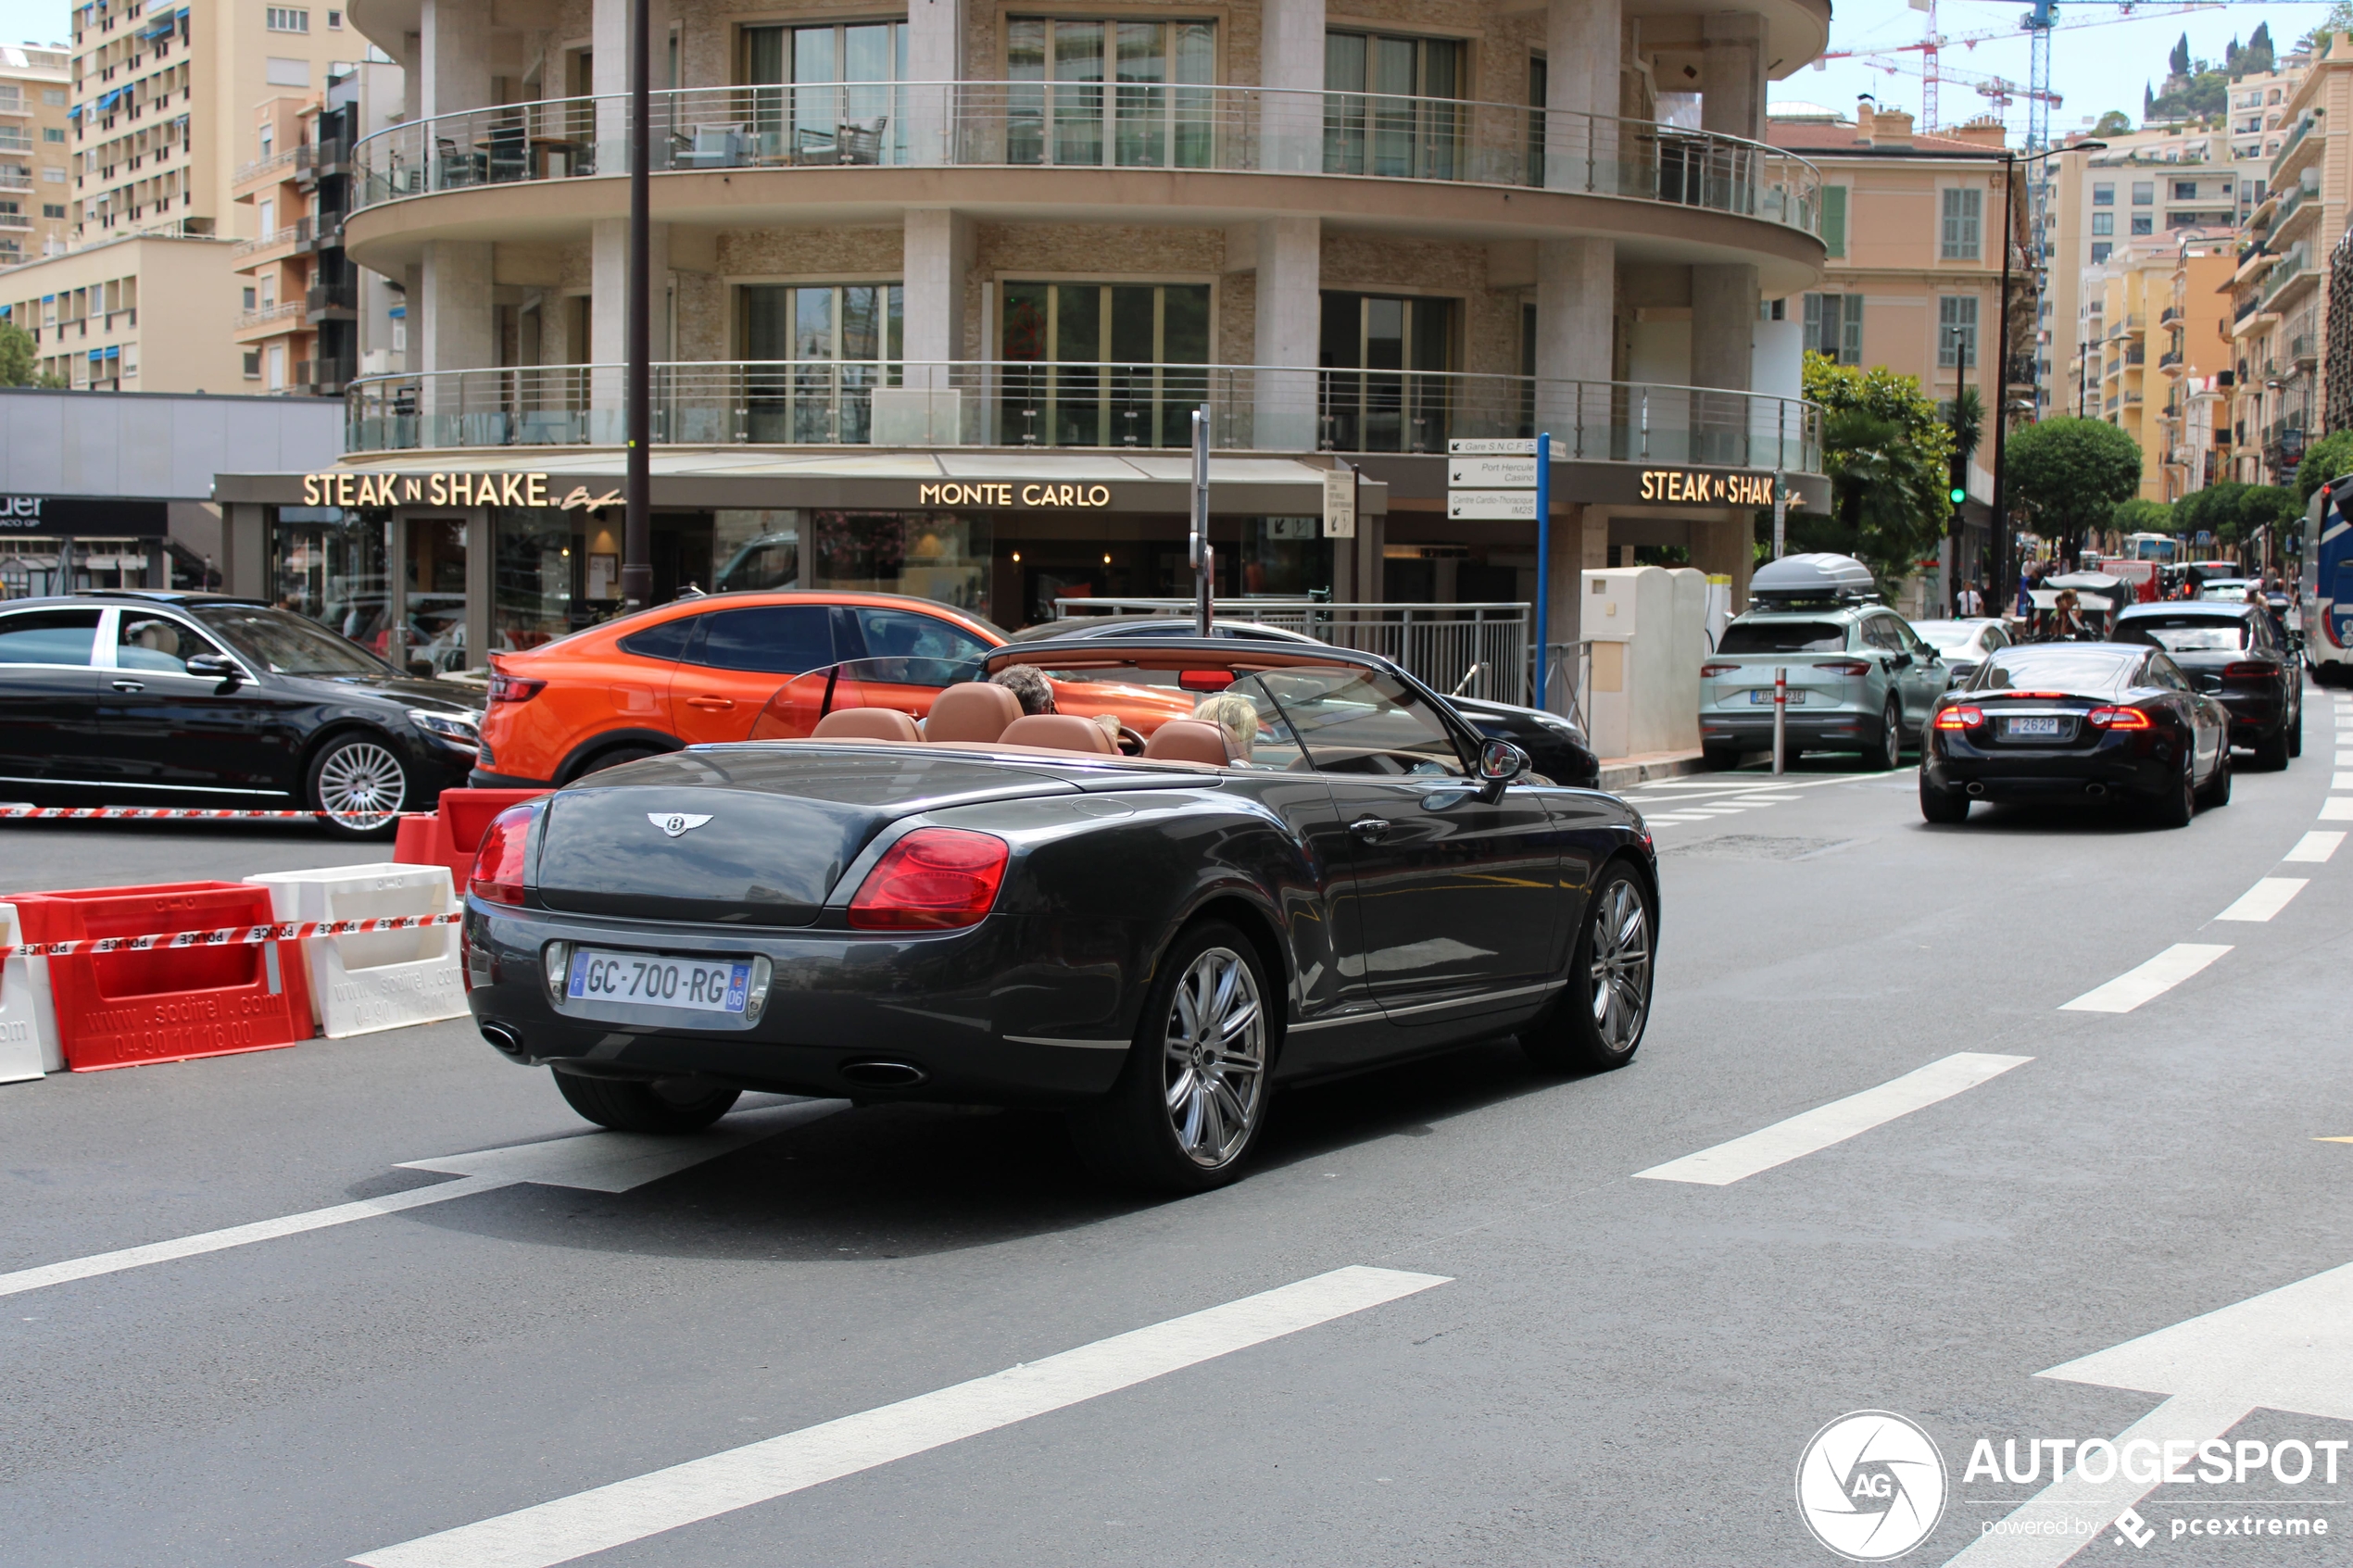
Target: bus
column 2327, row 582
column 2159, row 547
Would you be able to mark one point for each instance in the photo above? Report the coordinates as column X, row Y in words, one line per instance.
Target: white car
column 1964, row 644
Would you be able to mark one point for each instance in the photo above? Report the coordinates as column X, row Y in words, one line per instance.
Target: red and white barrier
column 401, row 970
column 28, row 1021
column 227, row 936
column 151, row 814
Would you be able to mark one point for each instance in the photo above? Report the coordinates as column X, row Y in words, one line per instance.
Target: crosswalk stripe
column 2337, row 808
column 2315, row 846
column 2148, row 982
column 2266, row 898
column 685, row 1493
column 1835, row 1123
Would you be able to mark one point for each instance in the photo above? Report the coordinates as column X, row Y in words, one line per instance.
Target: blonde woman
column 1233, row 713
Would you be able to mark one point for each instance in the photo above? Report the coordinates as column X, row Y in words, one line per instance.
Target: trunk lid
column 754, row 837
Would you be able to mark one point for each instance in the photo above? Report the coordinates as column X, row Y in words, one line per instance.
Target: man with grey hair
column 1034, row 693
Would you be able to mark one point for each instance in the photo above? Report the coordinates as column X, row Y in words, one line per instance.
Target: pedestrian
column 1971, row 604
column 2067, row 620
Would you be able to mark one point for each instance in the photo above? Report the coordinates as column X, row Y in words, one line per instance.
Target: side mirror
column 215, row 667
column 1901, row 662
column 1499, row 763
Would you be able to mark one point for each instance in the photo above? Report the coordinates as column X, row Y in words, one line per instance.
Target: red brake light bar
column 1708, row 669
column 1845, row 667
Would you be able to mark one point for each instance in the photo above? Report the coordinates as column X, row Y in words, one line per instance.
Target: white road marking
column 2341, row 781
column 2266, row 898
column 2287, row 1349
column 596, row 1161
column 2337, row 808
column 1818, row 1129
column 685, row 1493
column 2148, row 982
column 2315, row 846
column 2344, row 760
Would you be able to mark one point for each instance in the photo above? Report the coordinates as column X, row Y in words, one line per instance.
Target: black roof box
column 1819, row 576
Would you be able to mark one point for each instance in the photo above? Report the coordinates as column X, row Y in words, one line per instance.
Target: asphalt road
column 1615, row 1370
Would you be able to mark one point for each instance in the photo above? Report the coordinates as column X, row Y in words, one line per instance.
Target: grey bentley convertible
column 1213, row 868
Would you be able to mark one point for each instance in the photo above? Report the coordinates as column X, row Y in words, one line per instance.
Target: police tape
column 159, row 813
column 229, row 936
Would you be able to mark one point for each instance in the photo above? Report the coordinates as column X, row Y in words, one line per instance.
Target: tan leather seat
column 971, row 711
column 1059, row 732
column 865, row 723
column 1189, row 740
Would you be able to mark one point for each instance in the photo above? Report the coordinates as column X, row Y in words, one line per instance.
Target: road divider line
column 2314, row 846
column 2266, row 898
column 685, row 1493
column 1815, row 1130
column 593, row 1162
column 2342, row 781
column 2148, row 982
column 2337, row 808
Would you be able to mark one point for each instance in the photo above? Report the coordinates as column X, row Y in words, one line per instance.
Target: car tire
column 2271, row 751
column 1720, row 759
column 2295, row 728
column 1191, row 1101
column 1943, row 807
column 2217, row 788
column 1889, row 754
column 357, row 784
column 2174, row 807
column 1598, row 1021
column 667, row 1105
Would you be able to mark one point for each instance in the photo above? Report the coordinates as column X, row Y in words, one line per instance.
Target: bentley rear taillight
column 935, row 879
column 499, row 864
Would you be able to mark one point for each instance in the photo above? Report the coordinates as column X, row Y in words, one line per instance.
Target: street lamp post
column 636, row 532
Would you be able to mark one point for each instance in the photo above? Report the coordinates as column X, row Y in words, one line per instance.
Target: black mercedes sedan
column 134, row 698
column 1555, row 747
column 1320, row 870
column 2234, row 653
column 2061, row 721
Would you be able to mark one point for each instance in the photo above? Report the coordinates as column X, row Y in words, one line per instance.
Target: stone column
column 941, row 403
column 460, row 332
column 1723, row 327
column 934, row 61
column 454, row 64
column 1732, row 75
column 1576, row 302
column 609, row 321
column 1290, row 120
column 1291, row 309
column 1580, row 79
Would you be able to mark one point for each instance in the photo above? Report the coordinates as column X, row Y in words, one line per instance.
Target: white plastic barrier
column 28, row 1024
column 384, row 980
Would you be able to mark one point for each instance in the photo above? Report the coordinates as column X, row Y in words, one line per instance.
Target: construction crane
column 1998, row 91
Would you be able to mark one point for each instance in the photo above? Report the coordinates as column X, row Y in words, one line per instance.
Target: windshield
column 1783, row 636
column 2186, row 634
column 285, row 644
column 1946, row 636
column 2065, row 667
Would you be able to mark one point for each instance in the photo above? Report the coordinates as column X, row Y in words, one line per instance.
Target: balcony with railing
column 261, row 167
column 269, row 320
column 337, row 301
column 2171, row 361
column 277, row 239
column 315, row 159
column 1029, row 404
column 1094, row 125
column 2168, row 316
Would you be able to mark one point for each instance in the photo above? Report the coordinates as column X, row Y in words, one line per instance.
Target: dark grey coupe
column 1288, row 863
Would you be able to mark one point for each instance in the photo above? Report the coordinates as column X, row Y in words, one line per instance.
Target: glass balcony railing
column 1095, row 125
column 1035, row 403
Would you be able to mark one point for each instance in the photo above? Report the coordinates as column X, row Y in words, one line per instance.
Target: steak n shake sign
column 335, row 489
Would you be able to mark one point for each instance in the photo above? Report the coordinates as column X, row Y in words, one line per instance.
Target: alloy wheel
column 362, row 785
column 1621, row 978
column 1215, row 1057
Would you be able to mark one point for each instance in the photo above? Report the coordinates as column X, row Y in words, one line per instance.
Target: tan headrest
column 971, row 711
column 865, row 723
column 1187, row 740
column 1059, row 732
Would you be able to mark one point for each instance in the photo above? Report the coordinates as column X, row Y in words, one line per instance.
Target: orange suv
column 690, row 671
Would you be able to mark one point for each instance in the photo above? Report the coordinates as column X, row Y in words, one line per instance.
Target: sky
column 2092, row 69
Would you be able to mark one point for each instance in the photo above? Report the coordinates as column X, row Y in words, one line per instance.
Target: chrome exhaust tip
column 2095, row 790
column 1976, row 789
column 503, row 1036
column 883, row 1075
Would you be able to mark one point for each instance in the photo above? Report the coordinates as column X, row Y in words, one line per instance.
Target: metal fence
column 1464, row 650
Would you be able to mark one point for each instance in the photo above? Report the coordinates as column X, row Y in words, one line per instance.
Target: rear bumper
column 2116, row 766
column 1826, row 727
column 1004, row 1013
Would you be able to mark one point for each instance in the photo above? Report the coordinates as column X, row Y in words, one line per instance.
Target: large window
column 1964, row 212
column 1384, row 359
column 829, row 96
column 1386, row 108
column 1834, row 326
column 1116, row 363
column 2104, row 223
column 820, row 350
column 1133, row 93
column 1956, row 330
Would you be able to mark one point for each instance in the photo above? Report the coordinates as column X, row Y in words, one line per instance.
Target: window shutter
column 1850, row 344
column 1834, row 219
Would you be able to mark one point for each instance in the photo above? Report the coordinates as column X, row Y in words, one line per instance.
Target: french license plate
column 1765, row 697
column 2031, row 726
column 653, row 980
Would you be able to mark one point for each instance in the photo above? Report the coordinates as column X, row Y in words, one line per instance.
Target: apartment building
column 938, row 293
column 2147, row 185
column 34, row 154
column 2192, row 338
column 2278, row 290
column 133, row 313
column 2151, row 324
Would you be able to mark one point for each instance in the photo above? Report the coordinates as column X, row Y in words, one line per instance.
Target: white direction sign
column 1491, row 474
column 2287, row 1349
column 1339, row 504
column 1493, row 505
column 1491, row 446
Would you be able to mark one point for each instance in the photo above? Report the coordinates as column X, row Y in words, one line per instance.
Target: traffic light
column 1957, row 495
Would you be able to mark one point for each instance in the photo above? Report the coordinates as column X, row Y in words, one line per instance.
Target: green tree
column 1888, row 454
column 2268, row 506
column 2113, row 123
column 2069, row 475
column 17, row 356
column 2339, row 20
column 2142, row 516
column 2329, row 457
column 2178, row 62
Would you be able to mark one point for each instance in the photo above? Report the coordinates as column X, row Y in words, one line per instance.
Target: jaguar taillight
column 1962, row 718
column 2118, row 719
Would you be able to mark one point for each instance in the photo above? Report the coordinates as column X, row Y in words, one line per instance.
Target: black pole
column 2002, row 538
column 636, row 536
